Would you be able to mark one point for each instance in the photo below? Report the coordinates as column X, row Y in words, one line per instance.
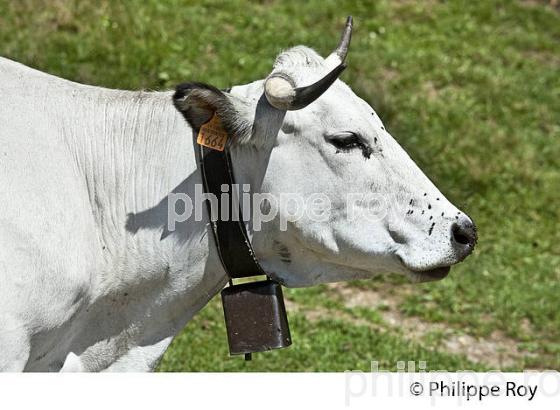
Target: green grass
column 328, row 345
column 470, row 89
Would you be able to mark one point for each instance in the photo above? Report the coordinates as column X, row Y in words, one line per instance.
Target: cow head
column 343, row 199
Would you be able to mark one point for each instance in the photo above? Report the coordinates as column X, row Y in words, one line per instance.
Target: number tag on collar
column 212, row 134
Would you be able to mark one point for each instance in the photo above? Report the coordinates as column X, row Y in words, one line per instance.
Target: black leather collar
column 232, row 241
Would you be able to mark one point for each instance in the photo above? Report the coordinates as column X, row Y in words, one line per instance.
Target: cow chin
column 430, row 275
column 423, row 272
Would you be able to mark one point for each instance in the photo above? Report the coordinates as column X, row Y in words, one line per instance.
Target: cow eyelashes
column 347, row 142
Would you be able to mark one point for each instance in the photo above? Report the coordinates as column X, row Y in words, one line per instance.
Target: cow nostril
column 459, row 236
column 464, row 234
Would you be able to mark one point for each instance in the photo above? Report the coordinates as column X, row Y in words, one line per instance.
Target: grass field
column 470, row 88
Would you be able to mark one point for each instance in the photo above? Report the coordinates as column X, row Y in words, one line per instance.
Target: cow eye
column 346, row 141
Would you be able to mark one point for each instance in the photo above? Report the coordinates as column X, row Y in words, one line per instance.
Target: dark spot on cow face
column 431, row 229
column 283, row 252
column 397, row 236
column 429, row 206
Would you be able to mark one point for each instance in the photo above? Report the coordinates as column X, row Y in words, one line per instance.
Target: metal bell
column 255, row 317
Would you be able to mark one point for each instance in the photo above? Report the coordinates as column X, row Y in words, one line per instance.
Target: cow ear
column 199, row 102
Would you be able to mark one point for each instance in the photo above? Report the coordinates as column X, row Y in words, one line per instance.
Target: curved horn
column 281, row 92
column 342, row 50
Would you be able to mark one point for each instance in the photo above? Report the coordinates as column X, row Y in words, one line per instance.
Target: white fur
column 91, row 281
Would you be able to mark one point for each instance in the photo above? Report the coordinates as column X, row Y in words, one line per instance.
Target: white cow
column 92, row 279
